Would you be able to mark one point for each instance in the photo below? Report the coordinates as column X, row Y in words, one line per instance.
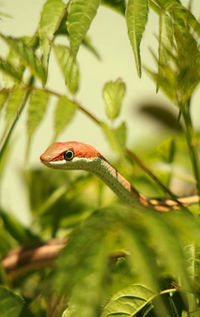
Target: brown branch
column 23, row 260
column 31, row 258
column 57, row 94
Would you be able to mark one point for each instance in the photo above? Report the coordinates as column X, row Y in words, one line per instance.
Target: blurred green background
column 108, row 35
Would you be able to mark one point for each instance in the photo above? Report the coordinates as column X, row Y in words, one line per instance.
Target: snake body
column 79, row 156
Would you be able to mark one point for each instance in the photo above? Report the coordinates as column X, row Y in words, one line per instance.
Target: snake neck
column 113, row 179
column 127, row 193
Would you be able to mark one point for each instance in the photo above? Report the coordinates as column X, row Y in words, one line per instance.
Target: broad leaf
column 81, row 14
column 36, row 111
column 141, row 259
column 166, row 80
column 69, row 67
column 118, row 5
column 132, row 300
column 62, row 30
column 136, row 19
column 8, row 69
column 50, row 19
column 85, row 259
column 87, row 301
column 15, row 100
column 16, row 230
column 167, row 149
column 129, row 301
column 64, row 113
column 169, row 243
column 7, row 242
column 88, row 44
column 11, row 304
column 27, row 56
column 165, row 40
column 181, row 14
column 3, row 98
column 113, row 94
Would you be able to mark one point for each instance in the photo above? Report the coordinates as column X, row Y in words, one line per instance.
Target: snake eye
column 68, row 155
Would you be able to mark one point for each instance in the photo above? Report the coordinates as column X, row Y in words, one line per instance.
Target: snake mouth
column 45, row 160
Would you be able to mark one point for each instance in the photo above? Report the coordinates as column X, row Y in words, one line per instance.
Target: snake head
column 70, row 155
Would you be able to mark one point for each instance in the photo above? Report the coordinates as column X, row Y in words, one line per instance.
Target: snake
column 73, row 155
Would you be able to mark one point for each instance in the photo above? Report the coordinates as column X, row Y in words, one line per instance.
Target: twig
column 56, row 94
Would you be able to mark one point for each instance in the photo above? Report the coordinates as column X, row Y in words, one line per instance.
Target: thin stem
column 8, row 133
column 154, row 4
column 191, row 142
column 55, row 93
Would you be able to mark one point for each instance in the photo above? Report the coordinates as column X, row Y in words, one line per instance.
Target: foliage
column 117, row 260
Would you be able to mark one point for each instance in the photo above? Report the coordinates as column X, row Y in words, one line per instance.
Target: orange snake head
column 70, row 155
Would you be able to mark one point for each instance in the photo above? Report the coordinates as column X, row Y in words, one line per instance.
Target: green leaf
column 113, row 94
column 81, row 14
column 20, row 233
column 129, row 301
column 118, row 5
column 132, row 300
column 15, row 100
column 36, row 110
column 69, row 67
column 166, row 80
column 136, row 19
column 87, row 301
column 169, row 243
column 141, row 259
column 167, row 150
column 3, row 98
column 85, row 259
column 3, row 161
column 50, row 19
column 11, row 304
column 116, row 137
column 13, row 59
column 165, row 38
column 8, row 69
column 64, row 113
column 88, row 44
column 7, row 243
column 27, row 56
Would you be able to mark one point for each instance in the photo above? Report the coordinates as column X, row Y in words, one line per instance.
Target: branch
column 24, row 260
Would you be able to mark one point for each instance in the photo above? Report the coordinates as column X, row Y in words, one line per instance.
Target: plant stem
column 55, row 93
column 8, row 133
column 191, row 142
